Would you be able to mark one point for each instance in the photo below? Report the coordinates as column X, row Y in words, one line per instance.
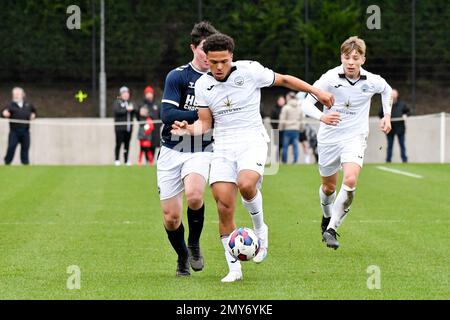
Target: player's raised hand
column 179, row 128
column 325, row 98
column 331, row 119
column 385, row 124
column 180, row 124
column 179, row 132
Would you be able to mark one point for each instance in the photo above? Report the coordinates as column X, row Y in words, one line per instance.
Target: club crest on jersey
column 365, row 88
column 239, row 81
column 191, row 85
column 229, row 103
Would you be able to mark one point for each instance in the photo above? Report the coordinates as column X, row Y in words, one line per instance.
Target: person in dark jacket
column 19, row 133
column 124, row 112
column 154, row 113
column 399, row 110
column 275, row 117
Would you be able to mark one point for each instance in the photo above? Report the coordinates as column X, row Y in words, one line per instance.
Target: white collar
column 362, row 72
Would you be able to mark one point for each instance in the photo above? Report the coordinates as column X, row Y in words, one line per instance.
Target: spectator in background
column 399, row 111
column 275, row 118
column 290, row 117
column 311, row 135
column 145, row 136
column 261, row 111
column 154, row 114
column 19, row 133
column 302, row 138
column 124, row 111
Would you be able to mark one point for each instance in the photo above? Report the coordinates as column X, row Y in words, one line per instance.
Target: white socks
column 326, row 202
column 255, row 209
column 341, row 206
column 233, row 263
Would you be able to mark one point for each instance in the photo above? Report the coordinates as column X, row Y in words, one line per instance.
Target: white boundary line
column 404, row 173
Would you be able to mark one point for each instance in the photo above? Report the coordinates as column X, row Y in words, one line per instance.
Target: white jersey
column 352, row 101
column 235, row 101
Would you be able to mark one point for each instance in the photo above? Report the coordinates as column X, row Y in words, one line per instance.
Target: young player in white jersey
column 230, row 96
column 343, row 133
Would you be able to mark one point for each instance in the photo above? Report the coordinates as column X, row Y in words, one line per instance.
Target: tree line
column 147, row 38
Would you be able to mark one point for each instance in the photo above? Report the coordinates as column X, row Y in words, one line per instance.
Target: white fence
column 89, row 141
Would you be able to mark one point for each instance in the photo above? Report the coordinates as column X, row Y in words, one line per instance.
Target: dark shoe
column 196, row 258
column 330, row 238
column 325, row 222
column 183, row 267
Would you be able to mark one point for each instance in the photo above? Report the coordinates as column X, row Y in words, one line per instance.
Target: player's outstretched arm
column 332, row 118
column 171, row 113
column 385, row 124
column 203, row 124
column 296, row 84
column 171, row 110
column 386, row 99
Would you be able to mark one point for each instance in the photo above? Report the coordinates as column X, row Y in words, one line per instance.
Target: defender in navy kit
column 184, row 161
column 179, row 103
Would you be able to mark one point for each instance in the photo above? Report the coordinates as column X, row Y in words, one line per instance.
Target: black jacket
column 275, row 115
column 154, row 113
column 398, row 110
column 18, row 113
column 121, row 114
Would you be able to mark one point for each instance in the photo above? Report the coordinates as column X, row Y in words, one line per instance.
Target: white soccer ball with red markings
column 243, row 244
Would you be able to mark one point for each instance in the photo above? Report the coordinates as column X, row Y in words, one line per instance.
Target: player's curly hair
column 201, row 31
column 218, row 42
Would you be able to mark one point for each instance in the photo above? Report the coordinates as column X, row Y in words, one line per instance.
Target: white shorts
column 332, row 156
column 173, row 166
column 228, row 162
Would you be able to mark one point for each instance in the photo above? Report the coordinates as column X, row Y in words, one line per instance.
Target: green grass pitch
column 107, row 221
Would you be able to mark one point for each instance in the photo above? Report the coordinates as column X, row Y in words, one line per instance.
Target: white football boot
column 263, row 236
column 233, row 276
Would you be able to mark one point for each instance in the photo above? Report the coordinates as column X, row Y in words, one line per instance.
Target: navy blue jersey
column 178, row 104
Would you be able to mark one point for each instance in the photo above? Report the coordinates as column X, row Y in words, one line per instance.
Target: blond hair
column 353, row 43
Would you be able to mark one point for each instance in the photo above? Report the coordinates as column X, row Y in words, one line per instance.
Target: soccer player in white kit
column 344, row 130
column 230, row 95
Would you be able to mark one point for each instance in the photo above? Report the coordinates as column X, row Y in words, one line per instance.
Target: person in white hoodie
column 291, row 121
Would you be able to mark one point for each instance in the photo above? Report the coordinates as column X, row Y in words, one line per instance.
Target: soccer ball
column 243, row 244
